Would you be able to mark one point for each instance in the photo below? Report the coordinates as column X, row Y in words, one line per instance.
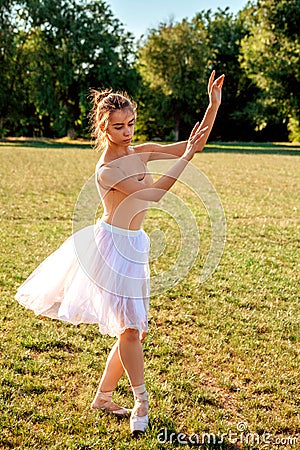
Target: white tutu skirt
column 100, row 275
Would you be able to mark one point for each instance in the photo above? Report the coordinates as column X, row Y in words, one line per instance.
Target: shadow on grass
column 45, row 143
column 259, row 148
column 40, row 346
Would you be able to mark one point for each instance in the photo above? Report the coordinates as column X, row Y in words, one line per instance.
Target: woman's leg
column 111, row 375
column 112, row 372
column 113, row 369
column 132, row 358
column 127, row 353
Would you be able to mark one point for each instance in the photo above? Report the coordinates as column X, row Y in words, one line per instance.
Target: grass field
column 221, row 357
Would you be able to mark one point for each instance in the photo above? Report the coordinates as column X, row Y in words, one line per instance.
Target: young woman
column 108, row 283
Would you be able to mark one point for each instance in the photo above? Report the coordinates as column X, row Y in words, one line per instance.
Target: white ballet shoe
column 107, row 405
column 139, row 424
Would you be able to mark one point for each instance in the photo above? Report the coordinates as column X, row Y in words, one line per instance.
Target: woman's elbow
column 157, row 195
column 151, row 195
column 156, row 199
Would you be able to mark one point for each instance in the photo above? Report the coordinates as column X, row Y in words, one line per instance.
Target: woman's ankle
column 140, row 392
column 141, row 405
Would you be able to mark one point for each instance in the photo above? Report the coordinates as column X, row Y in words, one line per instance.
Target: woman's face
column 120, row 127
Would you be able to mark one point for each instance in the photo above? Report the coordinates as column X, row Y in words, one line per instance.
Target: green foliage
column 270, row 55
column 294, row 129
column 258, row 50
column 175, row 61
column 62, row 48
column 11, row 61
column 224, row 34
column 171, row 62
column 53, row 51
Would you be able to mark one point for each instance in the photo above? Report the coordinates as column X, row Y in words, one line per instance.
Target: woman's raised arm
column 176, row 150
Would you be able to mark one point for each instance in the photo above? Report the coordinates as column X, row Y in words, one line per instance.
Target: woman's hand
column 214, row 88
column 195, row 142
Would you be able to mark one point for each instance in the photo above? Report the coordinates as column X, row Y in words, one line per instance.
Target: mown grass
column 217, row 354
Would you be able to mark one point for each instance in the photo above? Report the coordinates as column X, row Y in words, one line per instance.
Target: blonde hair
column 104, row 104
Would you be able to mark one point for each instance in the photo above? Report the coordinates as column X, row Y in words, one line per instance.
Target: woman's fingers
column 199, row 137
column 203, row 129
column 219, row 81
column 194, row 130
column 198, row 134
column 197, row 144
column 211, row 80
column 215, row 83
column 194, row 143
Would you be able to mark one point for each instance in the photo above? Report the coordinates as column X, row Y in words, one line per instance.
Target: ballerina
column 111, row 286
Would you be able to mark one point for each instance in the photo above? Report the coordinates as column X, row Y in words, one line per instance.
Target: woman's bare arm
column 176, row 150
column 113, row 177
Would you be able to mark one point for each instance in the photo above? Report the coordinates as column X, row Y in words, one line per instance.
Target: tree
column 175, row 63
column 224, row 34
column 171, row 62
column 270, row 55
column 68, row 46
column 11, row 61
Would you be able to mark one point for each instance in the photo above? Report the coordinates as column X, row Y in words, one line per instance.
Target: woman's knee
column 130, row 334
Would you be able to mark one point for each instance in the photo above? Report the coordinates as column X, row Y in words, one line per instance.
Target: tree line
column 53, row 51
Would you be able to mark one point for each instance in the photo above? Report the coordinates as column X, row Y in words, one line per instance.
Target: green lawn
column 221, row 357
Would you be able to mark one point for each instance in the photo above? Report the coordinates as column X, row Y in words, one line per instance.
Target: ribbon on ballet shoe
column 107, row 405
column 139, row 424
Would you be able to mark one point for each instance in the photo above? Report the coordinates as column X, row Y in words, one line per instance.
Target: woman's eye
column 120, row 128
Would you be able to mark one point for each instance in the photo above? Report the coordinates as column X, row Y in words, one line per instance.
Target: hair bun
column 98, row 96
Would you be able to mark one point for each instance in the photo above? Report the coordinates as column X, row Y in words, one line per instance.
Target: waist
column 118, row 230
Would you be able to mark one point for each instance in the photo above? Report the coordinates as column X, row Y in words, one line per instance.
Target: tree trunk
column 72, row 133
column 176, row 128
